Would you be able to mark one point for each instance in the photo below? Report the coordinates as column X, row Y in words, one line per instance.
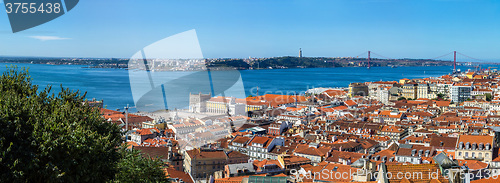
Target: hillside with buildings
column 230, row 63
column 432, row 126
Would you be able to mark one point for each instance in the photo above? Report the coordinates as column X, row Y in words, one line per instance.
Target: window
column 459, row 153
column 466, row 154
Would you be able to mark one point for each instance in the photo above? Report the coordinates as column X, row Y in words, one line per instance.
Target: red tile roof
column 485, row 139
column 180, row 175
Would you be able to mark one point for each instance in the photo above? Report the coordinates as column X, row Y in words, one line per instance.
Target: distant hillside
column 320, row 62
column 254, row 63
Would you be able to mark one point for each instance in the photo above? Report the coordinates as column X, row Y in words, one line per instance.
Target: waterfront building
column 221, row 105
column 274, row 100
column 94, row 103
column 404, row 81
column 197, row 102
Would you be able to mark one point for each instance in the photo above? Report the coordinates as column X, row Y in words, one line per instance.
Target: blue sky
column 263, row 28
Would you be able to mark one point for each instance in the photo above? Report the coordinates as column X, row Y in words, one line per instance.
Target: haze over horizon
column 229, row 29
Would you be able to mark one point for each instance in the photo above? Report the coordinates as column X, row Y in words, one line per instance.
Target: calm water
column 113, row 85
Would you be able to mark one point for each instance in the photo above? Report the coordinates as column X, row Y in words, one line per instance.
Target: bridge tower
column 454, row 61
column 369, row 59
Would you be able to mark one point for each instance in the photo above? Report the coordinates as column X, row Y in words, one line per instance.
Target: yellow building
column 403, row 81
column 154, row 124
column 470, row 75
column 410, row 90
column 222, row 105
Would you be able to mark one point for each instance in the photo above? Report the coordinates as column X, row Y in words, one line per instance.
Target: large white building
column 444, row 88
column 259, row 147
column 383, row 95
column 198, row 102
column 222, row 105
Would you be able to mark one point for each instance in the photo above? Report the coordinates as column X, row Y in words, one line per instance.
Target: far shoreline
column 83, row 66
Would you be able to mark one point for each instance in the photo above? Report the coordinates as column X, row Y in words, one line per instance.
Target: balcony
column 474, row 158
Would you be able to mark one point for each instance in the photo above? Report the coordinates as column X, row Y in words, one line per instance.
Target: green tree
column 54, row 138
column 401, row 98
column 46, row 137
column 133, row 167
column 440, row 95
column 488, row 96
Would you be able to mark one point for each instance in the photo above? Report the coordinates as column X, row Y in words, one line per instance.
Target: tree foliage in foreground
column 133, row 167
column 54, row 138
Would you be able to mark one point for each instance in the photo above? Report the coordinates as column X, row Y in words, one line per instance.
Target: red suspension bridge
column 445, row 56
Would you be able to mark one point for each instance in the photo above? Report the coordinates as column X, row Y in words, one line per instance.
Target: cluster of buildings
column 456, row 88
column 167, row 64
column 438, row 129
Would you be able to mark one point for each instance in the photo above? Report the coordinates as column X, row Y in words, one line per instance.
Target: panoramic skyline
column 395, row 29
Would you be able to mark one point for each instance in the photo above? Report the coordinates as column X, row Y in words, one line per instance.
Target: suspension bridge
column 444, row 57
